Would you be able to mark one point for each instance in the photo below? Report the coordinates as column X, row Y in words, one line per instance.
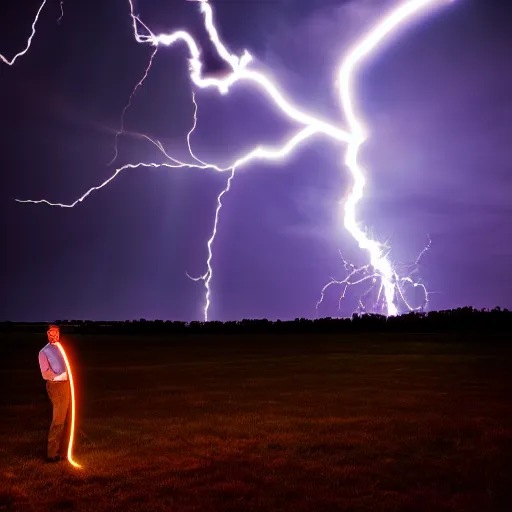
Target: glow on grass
column 73, row 406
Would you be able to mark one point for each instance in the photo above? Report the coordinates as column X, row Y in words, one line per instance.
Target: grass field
column 380, row 423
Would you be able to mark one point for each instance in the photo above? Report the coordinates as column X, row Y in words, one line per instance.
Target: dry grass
column 292, row 424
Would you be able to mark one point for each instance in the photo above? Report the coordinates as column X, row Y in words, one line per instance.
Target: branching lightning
column 380, row 273
column 129, row 104
column 367, row 274
column 354, row 275
column 4, row 59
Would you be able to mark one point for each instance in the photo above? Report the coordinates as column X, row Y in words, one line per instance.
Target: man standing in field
column 53, row 370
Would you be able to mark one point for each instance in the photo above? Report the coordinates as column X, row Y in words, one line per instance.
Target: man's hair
column 53, row 327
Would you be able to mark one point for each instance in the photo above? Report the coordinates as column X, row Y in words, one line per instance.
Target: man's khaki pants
column 58, row 437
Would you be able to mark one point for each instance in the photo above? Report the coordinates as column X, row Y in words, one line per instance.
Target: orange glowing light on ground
column 73, row 408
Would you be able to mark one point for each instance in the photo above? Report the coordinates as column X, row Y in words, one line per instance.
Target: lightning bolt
column 129, row 104
column 5, row 60
column 347, row 71
column 380, row 271
column 61, row 6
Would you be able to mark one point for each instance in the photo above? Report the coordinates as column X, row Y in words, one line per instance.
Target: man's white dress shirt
column 50, row 358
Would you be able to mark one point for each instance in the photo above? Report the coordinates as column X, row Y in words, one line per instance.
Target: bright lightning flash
column 380, row 270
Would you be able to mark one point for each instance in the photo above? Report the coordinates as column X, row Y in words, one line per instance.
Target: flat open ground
column 359, row 423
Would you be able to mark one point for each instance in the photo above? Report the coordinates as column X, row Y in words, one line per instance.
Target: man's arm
column 46, row 369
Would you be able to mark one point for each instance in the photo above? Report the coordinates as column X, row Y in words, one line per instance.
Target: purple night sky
column 437, row 101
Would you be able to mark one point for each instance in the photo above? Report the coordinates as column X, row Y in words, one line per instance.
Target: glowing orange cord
column 72, row 386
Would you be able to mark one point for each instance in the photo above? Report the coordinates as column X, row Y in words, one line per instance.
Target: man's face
column 53, row 334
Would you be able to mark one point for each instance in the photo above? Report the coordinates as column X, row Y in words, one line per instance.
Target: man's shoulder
column 44, row 349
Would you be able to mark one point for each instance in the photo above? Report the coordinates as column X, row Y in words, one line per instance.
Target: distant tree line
column 466, row 319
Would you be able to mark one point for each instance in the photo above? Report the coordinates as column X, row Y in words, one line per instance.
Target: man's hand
column 49, row 374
